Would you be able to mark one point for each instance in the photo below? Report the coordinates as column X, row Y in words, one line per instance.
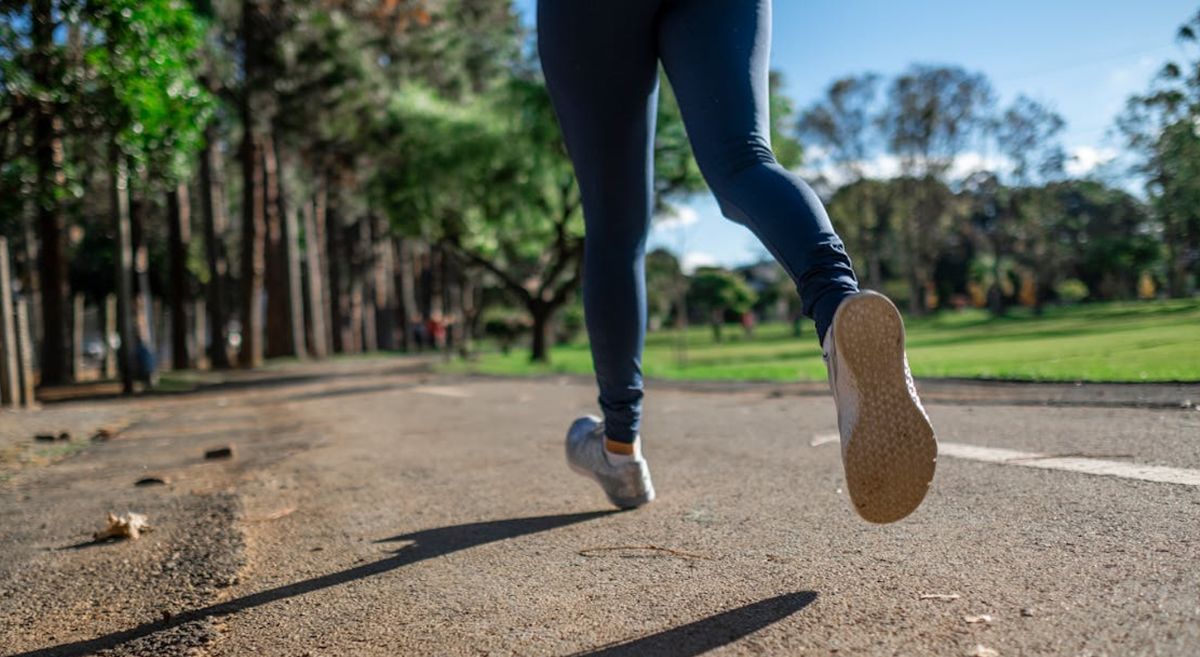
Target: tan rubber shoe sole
column 891, row 453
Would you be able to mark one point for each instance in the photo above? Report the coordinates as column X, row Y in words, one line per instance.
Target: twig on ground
column 592, row 552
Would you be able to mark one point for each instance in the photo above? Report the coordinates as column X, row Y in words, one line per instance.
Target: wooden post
column 198, row 337
column 110, row 337
column 77, row 307
column 9, row 376
column 25, row 349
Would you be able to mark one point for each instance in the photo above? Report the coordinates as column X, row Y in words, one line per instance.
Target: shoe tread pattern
column 891, row 454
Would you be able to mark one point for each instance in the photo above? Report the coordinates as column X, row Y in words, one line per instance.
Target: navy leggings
column 600, row 59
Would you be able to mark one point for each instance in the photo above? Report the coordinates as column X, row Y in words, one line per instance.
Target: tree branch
column 562, row 251
column 569, row 286
column 508, row 281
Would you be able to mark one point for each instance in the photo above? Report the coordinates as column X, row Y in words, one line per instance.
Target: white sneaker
column 626, row 484
column 888, row 447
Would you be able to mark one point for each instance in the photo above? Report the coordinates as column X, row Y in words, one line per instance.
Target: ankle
column 619, row 452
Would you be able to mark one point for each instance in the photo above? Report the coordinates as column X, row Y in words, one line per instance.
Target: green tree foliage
column 843, row 124
column 931, row 116
column 715, row 292
column 433, row 115
column 1162, row 126
column 666, row 285
column 146, row 65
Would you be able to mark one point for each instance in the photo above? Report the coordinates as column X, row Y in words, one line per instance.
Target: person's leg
column 601, row 69
column 716, row 55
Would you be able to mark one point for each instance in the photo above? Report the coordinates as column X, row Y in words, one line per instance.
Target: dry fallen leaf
column 940, row 596
column 130, row 525
column 981, row 618
column 981, row 650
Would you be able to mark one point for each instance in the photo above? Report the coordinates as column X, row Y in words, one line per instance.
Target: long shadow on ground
column 708, row 633
column 427, row 544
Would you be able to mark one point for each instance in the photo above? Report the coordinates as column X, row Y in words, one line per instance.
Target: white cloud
column 694, row 259
column 885, row 166
column 968, row 163
column 1086, row 158
column 677, row 217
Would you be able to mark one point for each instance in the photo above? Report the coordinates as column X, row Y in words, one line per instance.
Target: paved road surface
column 377, row 510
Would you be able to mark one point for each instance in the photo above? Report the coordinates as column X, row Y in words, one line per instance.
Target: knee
column 723, row 163
column 726, row 165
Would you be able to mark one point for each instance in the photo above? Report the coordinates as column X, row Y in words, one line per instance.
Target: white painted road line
column 1155, row 473
column 1092, row 466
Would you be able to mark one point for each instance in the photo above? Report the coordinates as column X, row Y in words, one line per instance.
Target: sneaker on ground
column 626, row 484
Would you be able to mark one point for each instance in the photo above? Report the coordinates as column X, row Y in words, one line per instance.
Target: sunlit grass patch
column 1136, row 341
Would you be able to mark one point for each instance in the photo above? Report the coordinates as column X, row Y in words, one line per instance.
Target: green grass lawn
column 1136, row 341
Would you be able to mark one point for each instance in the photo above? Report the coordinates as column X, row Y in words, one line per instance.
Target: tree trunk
column 254, row 46
column 276, row 283
column 337, row 268
column 314, row 250
column 383, row 281
column 320, row 216
column 10, row 385
column 875, row 251
column 452, row 302
column 120, row 205
column 408, row 311
column 50, row 180
column 436, row 281
column 253, row 248
column 916, row 258
column 1177, row 270
column 365, row 297
column 212, row 196
column 295, row 284
column 143, row 307
column 180, row 233
column 996, row 293
column 540, row 350
column 31, row 278
column 469, row 303
column 351, row 243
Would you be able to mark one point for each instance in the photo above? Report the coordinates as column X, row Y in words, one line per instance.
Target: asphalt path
column 379, row 510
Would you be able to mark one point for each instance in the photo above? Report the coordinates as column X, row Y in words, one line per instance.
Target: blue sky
column 1081, row 58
